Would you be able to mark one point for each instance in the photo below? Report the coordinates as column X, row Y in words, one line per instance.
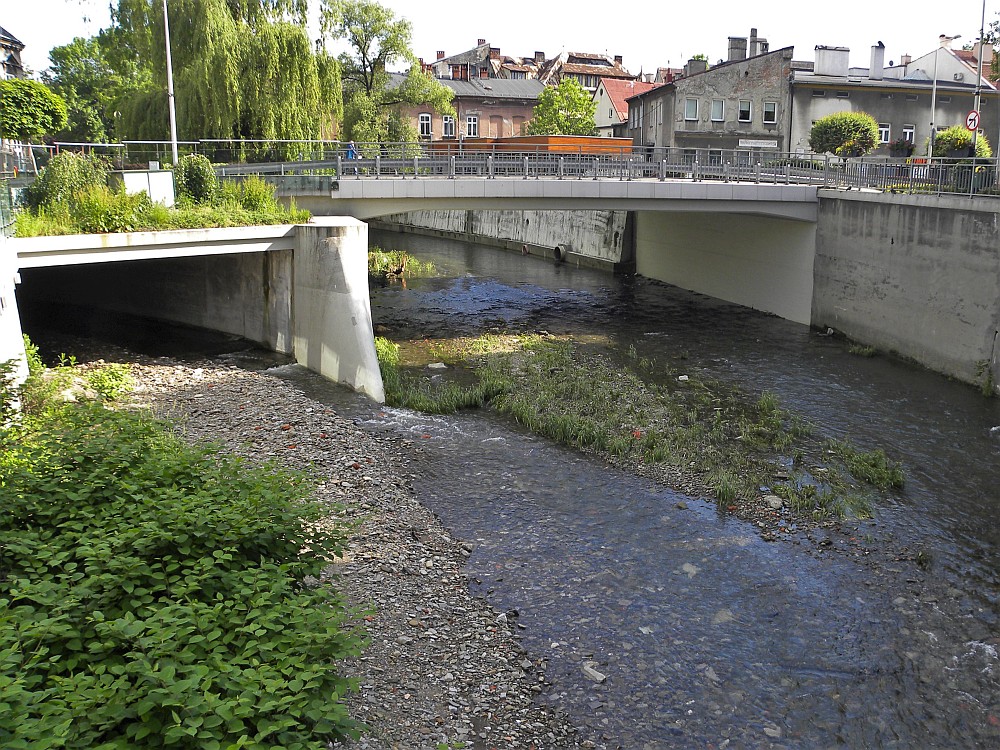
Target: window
column 843, row 94
column 912, row 97
column 885, row 95
column 690, row 109
column 944, row 99
column 448, row 126
column 819, row 92
column 770, row 113
column 883, row 132
column 517, row 75
column 425, row 125
column 611, row 113
column 746, row 110
column 718, row 110
column 909, row 132
column 472, row 126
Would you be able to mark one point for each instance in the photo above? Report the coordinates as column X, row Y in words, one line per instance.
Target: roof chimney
column 986, row 54
column 539, row 57
column 618, row 59
column 695, row 66
column 758, row 45
column 481, row 42
column 832, row 61
column 737, row 48
column 878, row 62
column 440, row 54
column 494, row 53
column 905, row 60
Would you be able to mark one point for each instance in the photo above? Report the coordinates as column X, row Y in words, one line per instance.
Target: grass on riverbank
column 153, row 594
column 632, row 409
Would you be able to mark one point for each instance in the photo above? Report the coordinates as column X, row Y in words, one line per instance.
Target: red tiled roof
column 619, row 90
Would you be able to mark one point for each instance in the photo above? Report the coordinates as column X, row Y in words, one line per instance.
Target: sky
column 666, row 34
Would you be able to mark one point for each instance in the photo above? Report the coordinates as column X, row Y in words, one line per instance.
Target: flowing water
column 883, row 635
column 707, row 635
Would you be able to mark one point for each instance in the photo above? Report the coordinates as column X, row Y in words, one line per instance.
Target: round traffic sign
column 972, row 120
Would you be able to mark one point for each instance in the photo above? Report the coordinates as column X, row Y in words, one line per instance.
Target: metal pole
column 930, row 147
column 170, row 86
column 979, row 80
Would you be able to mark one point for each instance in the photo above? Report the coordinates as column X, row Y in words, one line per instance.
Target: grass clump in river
column 630, row 408
column 386, row 264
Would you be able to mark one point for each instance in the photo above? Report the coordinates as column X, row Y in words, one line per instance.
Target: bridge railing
column 331, row 159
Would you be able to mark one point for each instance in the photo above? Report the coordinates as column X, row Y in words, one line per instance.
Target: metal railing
column 457, row 159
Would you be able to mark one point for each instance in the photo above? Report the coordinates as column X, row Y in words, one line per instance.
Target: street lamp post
column 942, row 41
column 170, row 87
column 979, row 77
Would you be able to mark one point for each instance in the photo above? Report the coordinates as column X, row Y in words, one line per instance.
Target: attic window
column 843, row 94
column 819, row 92
column 911, row 97
column 885, row 95
column 944, row 99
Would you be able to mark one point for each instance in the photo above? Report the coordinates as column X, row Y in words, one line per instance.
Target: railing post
column 451, row 167
column 597, row 165
column 525, row 167
column 757, row 172
column 726, row 174
column 663, row 169
column 416, row 168
column 695, row 171
column 826, row 170
column 788, row 173
column 490, row 167
column 561, row 167
column 340, row 170
column 378, row 165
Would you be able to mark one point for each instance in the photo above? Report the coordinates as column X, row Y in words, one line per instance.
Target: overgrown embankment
column 154, row 594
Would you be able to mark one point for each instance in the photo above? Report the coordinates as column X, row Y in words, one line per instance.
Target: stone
column 774, row 502
column 588, row 669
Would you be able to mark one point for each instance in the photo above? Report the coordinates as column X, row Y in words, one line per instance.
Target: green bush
column 154, row 595
column 257, row 195
column 958, row 138
column 99, row 209
column 194, row 178
column 65, row 175
column 844, row 134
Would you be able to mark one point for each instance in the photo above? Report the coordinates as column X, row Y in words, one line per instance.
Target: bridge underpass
column 751, row 244
column 300, row 290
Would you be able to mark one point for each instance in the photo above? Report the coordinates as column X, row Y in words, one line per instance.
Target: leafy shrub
column 255, row 194
column 958, row 139
column 157, row 595
column 110, row 381
column 99, row 209
column 844, row 134
column 195, row 178
column 65, row 175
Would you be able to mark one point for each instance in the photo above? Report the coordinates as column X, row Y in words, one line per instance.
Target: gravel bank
column 443, row 670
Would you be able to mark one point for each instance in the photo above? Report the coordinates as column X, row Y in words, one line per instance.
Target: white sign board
column 757, row 143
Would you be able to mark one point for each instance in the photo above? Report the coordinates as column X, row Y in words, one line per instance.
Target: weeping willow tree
column 243, row 70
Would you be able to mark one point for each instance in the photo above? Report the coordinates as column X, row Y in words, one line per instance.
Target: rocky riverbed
column 443, row 669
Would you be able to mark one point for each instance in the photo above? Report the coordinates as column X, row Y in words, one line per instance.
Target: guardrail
column 470, row 158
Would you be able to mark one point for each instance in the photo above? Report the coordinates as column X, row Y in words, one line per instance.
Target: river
column 707, row 635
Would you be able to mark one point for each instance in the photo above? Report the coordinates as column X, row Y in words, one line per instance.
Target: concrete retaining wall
column 916, row 275
column 11, row 341
column 600, row 239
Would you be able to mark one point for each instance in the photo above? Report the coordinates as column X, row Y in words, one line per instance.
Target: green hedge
column 157, row 595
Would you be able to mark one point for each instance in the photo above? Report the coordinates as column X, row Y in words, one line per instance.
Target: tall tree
column 29, row 110
column 566, row 109
column 377, row 42
column 243, row 69
column 81, row 73
column 844, row 134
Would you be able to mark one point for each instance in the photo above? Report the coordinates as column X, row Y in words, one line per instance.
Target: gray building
column 10, row 55
column 767, row 102
column 743, row 102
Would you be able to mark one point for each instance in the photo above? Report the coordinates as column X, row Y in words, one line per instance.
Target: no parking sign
column 972, row 120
